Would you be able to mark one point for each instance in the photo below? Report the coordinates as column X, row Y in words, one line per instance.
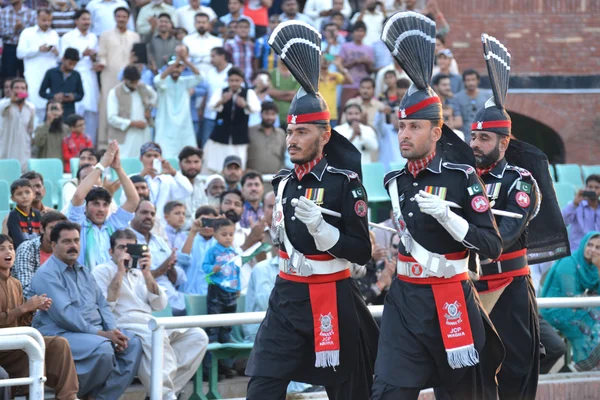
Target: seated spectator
column 76, row 141
column 180, row 33
column 148, row 15
column 14, row 312
column 367, row 101
column 582, row 214
column 233, row 105
column 236, row 13
column 190, row 164
column 164, row 259
column 23, row 222
column 89, row 208
column 106, row 358
column 132, row 295
column 70, row 186
column 175, row 217
column 215, row 186
column 141, row 186
column 174, row 126
column 358, row 59
column 363, row 137
column 471, row 99
column 442, row 86
column 444, row 58
column 576, row 276
column 452, row 121
column 88, row 156
column 48, row 137
column 232, row 172
column 165, row 183
column 261, row 81
column 253, row 189
column 39, row 191
column 162, row 43
column 267, row 149
column 290, row 12
column 373, row 14
column 380, row 85
column 440, row 45
column 330, row 84
column 33, row 253
column 380, row 271
column 199, row 240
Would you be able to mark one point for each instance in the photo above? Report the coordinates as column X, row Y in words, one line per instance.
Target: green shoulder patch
column 474, row 189
column 358, row 193
column 524, row 187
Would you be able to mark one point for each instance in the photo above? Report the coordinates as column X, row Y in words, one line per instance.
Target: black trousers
column 219, row 301
column 554, row 346
column 12, row 67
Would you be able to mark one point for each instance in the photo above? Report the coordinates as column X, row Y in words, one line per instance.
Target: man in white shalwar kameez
column 132, row 295
column 128, row 110
column 38, row 48
column 174, row 127
column 17, row 117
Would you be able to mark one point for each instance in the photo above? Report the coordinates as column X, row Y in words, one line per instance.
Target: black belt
column 499, row 267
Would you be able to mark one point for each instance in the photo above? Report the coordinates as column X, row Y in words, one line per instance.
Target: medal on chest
column 493, row 191
column 315, row 195
column 437, row 191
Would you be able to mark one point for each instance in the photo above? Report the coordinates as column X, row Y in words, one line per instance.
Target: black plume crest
column 299, row 46
column 410, row 37
column 497, row 60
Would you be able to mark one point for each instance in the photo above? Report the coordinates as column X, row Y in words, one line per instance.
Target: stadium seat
column 552, row 173
column 174, row 162
column 74, row 162
column 195, row 304
column 52, row 171
column 165, row 312
column 3, row 215
column 48, row 199
column 10, row 170
column 569, row 173
column 373, row 174
column 590, row 170
column 397, row 166
column 130, row 165
column 4, row 196
column 565, row 192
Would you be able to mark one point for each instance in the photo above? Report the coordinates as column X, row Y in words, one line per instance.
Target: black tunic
column 284, row 347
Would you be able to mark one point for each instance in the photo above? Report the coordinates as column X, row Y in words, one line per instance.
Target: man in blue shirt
column 583, row 214
column 63, row 83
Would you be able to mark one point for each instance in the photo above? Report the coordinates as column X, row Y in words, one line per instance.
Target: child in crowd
column 223, row 277
column 77, row 141
column 175, row 217
column 23, row 222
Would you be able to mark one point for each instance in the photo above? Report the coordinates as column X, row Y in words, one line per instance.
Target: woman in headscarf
column 575, row 276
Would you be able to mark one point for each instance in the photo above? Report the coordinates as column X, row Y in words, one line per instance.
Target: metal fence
column 158, row 326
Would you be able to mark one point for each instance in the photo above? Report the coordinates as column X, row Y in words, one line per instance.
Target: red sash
column 501, row 280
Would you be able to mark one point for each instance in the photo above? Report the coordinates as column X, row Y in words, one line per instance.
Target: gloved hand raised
column 324, row 234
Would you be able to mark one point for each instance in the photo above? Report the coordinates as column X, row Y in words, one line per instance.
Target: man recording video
column 582, row 213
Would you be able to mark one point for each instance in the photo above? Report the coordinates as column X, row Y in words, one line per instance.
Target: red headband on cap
column 405, row 112
column 483, row 125
column 306, row 118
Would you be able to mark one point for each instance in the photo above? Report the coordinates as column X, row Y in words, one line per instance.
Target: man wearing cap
column 444, row 60
column 318, row 329
column 232, row 172
column 433, row 327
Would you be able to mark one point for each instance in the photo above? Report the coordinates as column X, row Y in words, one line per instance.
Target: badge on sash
column 437, row 191
column 316, row 195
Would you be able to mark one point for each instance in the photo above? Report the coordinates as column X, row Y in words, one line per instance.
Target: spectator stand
column 32, row 343
column 373, row 174
column 52, row 171
column 569, row 173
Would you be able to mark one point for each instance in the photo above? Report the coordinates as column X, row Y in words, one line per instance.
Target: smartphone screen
column 157, row 165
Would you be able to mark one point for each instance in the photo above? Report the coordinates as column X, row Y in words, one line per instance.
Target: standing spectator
column 264, row 56
column 380, row 85
column 444, row 58
column 363, row 137
column 89, row 208
column 174, row 212
column 232, row 172
column 283, row 90
column 48, row 137
column 321, row 10
column 168, row 275
column 443, row 87
column 332, row 45
column 471, row 99
column 258, row 11
column 33, row 253
column 103, row 15
column 233, row 105
column 267, row 148
column 290, row 12
column 261, row 82
column 38, row 48
column 342, row 23
column 141, row 186
column 241, row 49
column 128, row 110
column 357, row 58
column 39, row 191
column 236, row 13
column 200, row 42
column 381, row 55
column 14, row 18
column 23, row 222
column 63, row 16
column 368, row 102
column 583, row 213
column 76, row 141
column 373, row 15
column 147, row 18
column 162, row 44
column 114, row 54
column 253, row 190
column 16, row 312
column 190, row 164
column 166, row 184
column 63, row 83
column 106, row 358
column 393, row 94
column 186, row 16
column 330, row 84
column 133, row 294
column 17, row 116
column 174, row 127
column 86, row 43
column 440, row 45
column 216, row 79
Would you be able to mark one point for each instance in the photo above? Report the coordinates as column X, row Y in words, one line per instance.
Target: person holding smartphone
column 133, row 294
column 582, row 214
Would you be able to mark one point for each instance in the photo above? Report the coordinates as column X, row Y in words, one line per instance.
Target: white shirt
column 215, row 80
column 366, row 143
column 380, row 85
column 314, row 7
column 186, row 17
column 165, row 188
column 134, row 304
column 200, row 47
column 102, row 13
column 374, row 23
column 253, row 103
column 197, row 199
column 89, row 78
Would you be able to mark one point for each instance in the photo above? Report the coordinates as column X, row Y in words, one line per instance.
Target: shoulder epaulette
column 349, row 174
column 523, row 173
column 466, row 168
column 283, row 173
column 390, row 176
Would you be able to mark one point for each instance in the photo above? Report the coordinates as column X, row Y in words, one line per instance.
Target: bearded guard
column 317, row 329
column 434, row 328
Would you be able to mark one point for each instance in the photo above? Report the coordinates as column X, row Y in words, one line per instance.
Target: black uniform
column 515, row 314
column 284, row 349
column 411, row 353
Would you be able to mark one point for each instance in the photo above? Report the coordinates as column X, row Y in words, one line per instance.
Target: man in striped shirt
column 63, row 16
column 13, row 19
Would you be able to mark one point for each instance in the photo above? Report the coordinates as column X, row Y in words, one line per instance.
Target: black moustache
column 72, row 251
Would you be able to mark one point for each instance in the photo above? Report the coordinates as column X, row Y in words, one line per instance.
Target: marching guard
column 434, row 328
column 317, row 328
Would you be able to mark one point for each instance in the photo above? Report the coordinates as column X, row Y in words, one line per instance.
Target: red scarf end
column 323, row 301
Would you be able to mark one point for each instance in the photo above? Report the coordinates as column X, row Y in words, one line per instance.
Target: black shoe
column 229, row 373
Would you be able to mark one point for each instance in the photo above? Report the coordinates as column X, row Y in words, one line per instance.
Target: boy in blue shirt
column 222, row 268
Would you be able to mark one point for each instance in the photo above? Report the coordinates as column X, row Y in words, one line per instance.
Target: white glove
column 430, row 204
column 324, row 234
